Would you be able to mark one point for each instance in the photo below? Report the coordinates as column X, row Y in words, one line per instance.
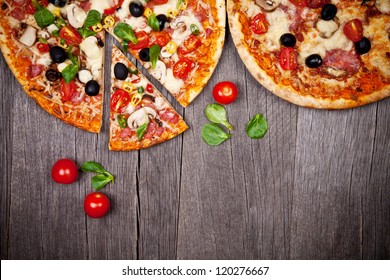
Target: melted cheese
column 171, row 83
column 171, row 5
column 94, row 55
column 278, row 25
column 178, row 35
column 101, row 5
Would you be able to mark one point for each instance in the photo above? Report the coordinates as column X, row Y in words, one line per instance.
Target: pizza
column 140, row 115
column 56, row 56
column 178, row 41
column 329, row 54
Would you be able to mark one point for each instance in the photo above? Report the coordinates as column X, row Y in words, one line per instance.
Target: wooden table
column 317, row 186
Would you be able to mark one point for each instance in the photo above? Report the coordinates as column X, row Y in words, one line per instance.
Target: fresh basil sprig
column 217, row 114
column 141, row 130
column 153, row 22
column 72, row 69
column 257, row 127
column 93, row 18
column 42, row 15
column 125, row 32
column 213, row 134
column 154, row 53
column 102, row 178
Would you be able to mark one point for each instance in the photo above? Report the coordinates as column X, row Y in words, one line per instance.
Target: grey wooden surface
column 317, row 186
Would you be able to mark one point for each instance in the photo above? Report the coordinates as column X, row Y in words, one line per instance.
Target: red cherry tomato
column 96, row 205
column 300, row 3
column 182, row 68
column 288, row 59
column 143, row 41
column 353, row 30
column 30, row 8
column 159, row 2
column 43, row 48
column 259, row 24
column 67, row 91
column 162, row 38
column 70, row 35
column 225, row 92
column 189, row 45
column 119, row 100
column 64, row 171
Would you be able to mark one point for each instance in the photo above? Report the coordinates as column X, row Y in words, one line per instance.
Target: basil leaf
column 85, row 32
column 71, row 56
column 125, row 45
column 217, row 114
column 100, row 180
column 92, row 166
column 70, row 72
column 153, row 22
column 257, row 127
column 154, row 53
column 213, row 134
column 93, row 18
column 125, row 32
column 43, row 40
column 142, row 130
column 122, row 121
column 42, row 16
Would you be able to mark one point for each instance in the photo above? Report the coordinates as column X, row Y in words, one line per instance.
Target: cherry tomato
column 300, row 3
column 225, row 92
column 159, row 2
column 70, row 35
column 96, row 205
column 189, row 45
column 43, row 48
column 182, row 68
column 67, row 91
column 64, row 171
column 30, row 8
column 353, row 30
column 259, row 24
column 162, row 38
column 288, row 59
column 149, row 88
column 110, row 11
column 119, row 100
column 143, row 41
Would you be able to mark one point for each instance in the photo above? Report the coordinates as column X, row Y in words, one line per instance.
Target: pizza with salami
column 329, row 54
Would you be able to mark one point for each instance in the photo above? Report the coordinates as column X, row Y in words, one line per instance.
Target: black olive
column 288, row 40
column 58, row 3
column 313, row 61
column 23, row 25
column 149, row 96
column 144, row 54
column 92, row 88
column 162, row 19
column 4, row 6
column 52, row 75
column 121, row 71
column 136, row 9
column 328, row 11
column 100, row 42
column 58, row 54
column 363, row 46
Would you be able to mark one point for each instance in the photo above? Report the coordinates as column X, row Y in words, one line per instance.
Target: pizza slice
column 55, row 50
column 140, row 116
column 178, row 41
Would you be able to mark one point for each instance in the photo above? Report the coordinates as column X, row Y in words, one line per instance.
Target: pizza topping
column 63, row 65
column 136, row 9
column 35, row 70
column 125, row 32
column 300, row 3
column 314, row 4
column 121, row 72
column 29, row 36
column 84, row 76
column 18, row 13
column 340, row 63
column 128, row 86
column 327, row 28
column 194, row 29
column 182, row 68
column 353, row 30
column 92, row 88
column 70, row 35
column 144, row 54
column 328, row 12
column 58, row 3
column 140, row 117
column 68, row 90
column 268, row 5
column 93, row 54
column 136, row 98
column 259, row 24
column 383, row 6
column 52, row 75
column 119, row 100
column 313, row 61
column 43, row 48
column 189, row 45
column 153, row 22
column 169, row 49
column 288, row 59
column 363, row 46
column 76, row 16
column 4, row 6
column 58, row 54
column 154, row 53
column 42, row 16
column 288, row 40
column 162, row 21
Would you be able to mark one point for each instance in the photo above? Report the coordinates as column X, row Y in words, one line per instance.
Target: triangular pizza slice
column 140, row 116
column 178, row 41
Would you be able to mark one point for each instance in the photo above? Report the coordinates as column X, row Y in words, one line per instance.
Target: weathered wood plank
column 334, row 151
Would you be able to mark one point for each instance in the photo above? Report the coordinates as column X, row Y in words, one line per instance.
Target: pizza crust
column 288, row 93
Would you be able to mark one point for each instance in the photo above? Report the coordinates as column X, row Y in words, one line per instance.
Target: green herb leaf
column 257, row 127
column 42, row 16
column 71, row 56
column 141, row 89
column 43, row 40
column 85, row 32
column 70, row 72
column 217, row 114
column 133, row 72
column 125, row 32
column 55, row 33
column 125, row 45
column 93, row 18
column 100, row 180
column 122, row 121
column 142, row 130
column 92, row 166
column 153, row 22
column 154, row 53
column 194, row 29
column 213, row 134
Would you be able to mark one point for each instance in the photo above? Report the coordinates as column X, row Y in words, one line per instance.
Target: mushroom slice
column 268, row 5
column 178, row 22
column 29, row 36
column 76, row 15
column 141, row 116
column 327, row 28
column 334, row 72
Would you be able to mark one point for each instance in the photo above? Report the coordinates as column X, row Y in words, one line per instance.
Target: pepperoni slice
column 19, row 3
column 338, row 59
column 170, row 117
column 18, row 13
column 126, row 132
column 317, row 3
column 35, row 70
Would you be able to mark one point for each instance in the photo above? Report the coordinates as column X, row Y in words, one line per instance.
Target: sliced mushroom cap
column 29, row 36
column 160, row 72
column 76, row 15
column 141, row 116
column 178, row 22
column 334, row 72
column 268, row 5
column 327, row 28
column 84, row 76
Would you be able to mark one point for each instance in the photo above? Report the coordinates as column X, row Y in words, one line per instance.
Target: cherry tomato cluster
column 65, row 171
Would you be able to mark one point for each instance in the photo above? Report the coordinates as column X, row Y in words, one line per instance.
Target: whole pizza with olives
column 330, row 54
